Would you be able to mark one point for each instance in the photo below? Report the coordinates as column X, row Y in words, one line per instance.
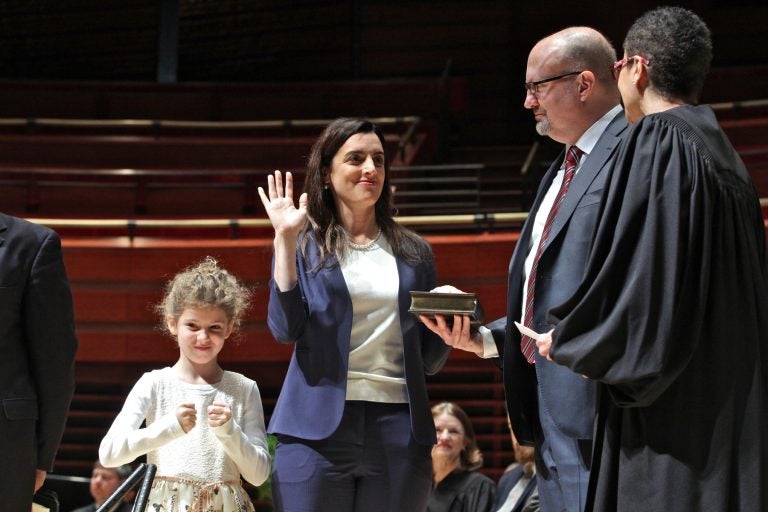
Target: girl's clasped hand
column 218, row 414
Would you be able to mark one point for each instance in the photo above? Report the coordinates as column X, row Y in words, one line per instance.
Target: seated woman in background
column 455, row 457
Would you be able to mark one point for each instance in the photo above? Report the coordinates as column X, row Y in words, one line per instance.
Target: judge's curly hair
column 678, row 45
column 205, row 285
column 471, row 457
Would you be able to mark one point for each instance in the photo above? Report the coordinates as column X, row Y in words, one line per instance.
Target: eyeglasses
column 616, row 67
column 533, row 87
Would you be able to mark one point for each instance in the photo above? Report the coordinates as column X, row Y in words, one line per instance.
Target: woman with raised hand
column 352, row 420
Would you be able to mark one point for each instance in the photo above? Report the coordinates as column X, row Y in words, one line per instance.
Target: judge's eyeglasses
column 619, row 64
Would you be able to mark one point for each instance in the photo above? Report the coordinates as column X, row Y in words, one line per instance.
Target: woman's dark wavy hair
column 471, row 457
column 324, row 221
column 678, row 45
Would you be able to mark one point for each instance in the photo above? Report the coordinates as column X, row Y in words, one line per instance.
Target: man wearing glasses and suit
column 574, row 99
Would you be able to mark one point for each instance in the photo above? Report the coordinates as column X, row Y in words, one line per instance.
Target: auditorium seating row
column 119, row 193
column 69, row 173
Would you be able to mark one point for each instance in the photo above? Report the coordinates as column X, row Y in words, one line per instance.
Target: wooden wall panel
column 115, row 284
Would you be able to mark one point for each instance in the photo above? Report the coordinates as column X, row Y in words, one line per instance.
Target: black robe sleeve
column 632, row 323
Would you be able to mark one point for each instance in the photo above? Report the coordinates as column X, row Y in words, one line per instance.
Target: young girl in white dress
column 204, row 425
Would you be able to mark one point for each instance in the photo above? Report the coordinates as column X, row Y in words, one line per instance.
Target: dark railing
column 144, row 475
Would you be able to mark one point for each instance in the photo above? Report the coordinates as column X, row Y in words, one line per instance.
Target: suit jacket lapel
column 405, row 275
column 595, row 161
column 523, row 243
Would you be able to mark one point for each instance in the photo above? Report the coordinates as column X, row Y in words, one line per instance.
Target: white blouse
column 376, row 370
column 204, row 454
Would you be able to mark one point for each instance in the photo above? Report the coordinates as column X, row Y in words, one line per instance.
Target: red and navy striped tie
column 528, row 344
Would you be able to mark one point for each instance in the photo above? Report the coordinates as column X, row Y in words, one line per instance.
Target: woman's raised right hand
column 282, row 212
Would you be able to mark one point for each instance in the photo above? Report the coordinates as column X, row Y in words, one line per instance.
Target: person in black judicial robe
column 462, row 491
column 672, row 316
column 458, row 485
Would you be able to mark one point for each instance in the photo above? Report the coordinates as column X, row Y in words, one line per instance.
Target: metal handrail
column 145, row 474
column 131, row 225
column 234, row 224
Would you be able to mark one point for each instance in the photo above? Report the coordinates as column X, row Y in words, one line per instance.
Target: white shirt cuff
column 489, row 346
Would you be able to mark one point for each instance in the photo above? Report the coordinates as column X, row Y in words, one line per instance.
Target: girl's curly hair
column 205, row 285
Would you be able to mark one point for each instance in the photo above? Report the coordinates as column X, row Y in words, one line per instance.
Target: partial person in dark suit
column 352, row 420
column 38, row 344
column 516, row 490
column 574, row 98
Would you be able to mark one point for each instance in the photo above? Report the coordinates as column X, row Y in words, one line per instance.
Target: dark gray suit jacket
column 38, row 345
column 569, row 397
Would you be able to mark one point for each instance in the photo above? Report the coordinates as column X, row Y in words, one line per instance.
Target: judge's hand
column 219, row 413
column 39, row 478
column 544, row 343
column 186, row 414
column 283, row 214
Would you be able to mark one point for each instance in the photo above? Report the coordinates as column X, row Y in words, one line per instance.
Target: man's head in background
column 105, row 481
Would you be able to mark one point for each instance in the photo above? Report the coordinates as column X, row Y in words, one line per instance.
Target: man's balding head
column 565, row 107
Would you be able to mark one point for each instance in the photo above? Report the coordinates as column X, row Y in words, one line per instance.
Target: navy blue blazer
column 316, row 316
column 569, row 397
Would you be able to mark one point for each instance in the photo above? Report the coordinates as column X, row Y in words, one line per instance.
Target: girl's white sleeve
column 246, row 444
column 125, row 439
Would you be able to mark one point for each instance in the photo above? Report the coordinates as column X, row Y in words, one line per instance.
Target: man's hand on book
column 457, row 335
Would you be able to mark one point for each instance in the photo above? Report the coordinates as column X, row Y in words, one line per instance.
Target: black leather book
column 447, row 304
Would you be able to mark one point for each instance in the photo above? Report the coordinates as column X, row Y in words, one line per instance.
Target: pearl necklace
column 365, row 246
